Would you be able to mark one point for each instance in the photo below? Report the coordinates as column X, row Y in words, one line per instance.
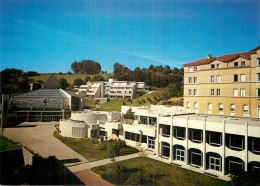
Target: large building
column 205, row 143
column 224, row 85
column 113, row 89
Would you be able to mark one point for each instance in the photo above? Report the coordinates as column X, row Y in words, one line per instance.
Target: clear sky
column 47, row 36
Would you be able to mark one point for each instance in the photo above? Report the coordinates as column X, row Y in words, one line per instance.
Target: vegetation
column 145, row 171
column 6, row 144
column 64, row 84
column 129, row 114
column 78, row 82
column 86, row 67
column 92, row 149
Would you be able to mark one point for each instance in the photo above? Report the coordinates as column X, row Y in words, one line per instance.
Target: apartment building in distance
column 113, row 89
column 224, row 85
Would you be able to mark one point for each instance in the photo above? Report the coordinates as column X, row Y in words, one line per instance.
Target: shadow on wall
column 42, row 171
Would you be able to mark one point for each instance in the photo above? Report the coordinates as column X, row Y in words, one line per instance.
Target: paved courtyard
column 38, row 136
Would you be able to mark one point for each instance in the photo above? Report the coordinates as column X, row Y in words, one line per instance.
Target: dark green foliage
column 78, row 82
column 240, row 177
column 86, row 67
column 149, row 100
column 32, row 73
column 129, row 114
column 63, row 82
column 130, row 100
column 60, row 73
column 14, row 81
column 123, row 103
column 69, row 73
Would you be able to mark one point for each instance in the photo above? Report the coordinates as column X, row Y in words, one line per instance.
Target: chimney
column 209, row 56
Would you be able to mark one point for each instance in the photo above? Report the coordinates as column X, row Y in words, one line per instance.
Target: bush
column 129, row 100
column 123, row 103
column 129, row 114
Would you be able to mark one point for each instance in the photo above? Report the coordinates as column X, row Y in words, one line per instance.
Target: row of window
column 217, row 92
column 220, row 107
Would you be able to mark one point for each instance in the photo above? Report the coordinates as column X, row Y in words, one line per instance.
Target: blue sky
column 47, row 36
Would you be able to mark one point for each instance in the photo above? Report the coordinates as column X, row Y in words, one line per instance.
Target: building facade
column 207, row 143
column 225, row 85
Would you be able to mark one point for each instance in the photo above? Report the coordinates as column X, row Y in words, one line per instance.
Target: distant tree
column 166, row 69
column 32, row 73
column 60, row 73
column 151, row 67
column 69, row 73
column 78, row 82
column 118, row 68
column 40, row 81
column 86, row 67
column 64, row 84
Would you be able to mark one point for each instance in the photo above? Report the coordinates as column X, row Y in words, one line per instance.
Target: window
column 190, row 79
column 214, row 138
column 218, row 92
column 242, row 92
column 221, row 107
column 235, row 92
column 212, row 66
column 235, row 78
column 195, row 92
column 190, row 69
column 245, row 109
column 189, row 92
column 235, row 64
column 218, row 66
column 258, row 77
column 195, row 69
column 196, row 106
column 151, row 142
column 209, row 107
column 242, row 77
column 258, row 92
column 188, row 105
column 212, row 92
column 180, row 154
column 212, row 79
column 243, row 63
column 196, row 135
column 218, row 79
column 194, row 79
column 233, row 108
column 258, row 61
column 179, row 133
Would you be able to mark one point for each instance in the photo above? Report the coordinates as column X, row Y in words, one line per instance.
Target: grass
column 91, row 149
column 115, row 104
column 69, row 78
column 145, row 171
column 6, row 144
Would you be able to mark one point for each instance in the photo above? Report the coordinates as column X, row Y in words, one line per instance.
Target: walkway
column 38, row 136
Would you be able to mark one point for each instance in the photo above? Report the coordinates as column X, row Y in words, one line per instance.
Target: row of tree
column 155, row 76
column 86, row 67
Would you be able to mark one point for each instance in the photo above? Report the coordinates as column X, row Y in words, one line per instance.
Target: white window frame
column 212, row 92
column 195, row 92
column 243, row 63
column 188, row 105
column 189, row 92
column 232, row 109
column 180, row 154
column 196, row 106
column 218, row 79
column 218, row 92
column 190, row 79
column 235, row 92
column 214, row 166
column 220, row 108
column 242, row 77
column 209, row 106
column 242, row 92
column 245, row 111
column 212, row 79
column 194, row 79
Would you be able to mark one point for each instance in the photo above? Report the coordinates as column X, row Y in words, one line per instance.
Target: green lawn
column 91, row 149
column 6, row 144
column 145, row 171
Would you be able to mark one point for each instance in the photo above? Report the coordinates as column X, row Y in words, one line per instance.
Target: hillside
column 70, row 78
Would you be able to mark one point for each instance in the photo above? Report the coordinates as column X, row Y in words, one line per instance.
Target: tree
column 166, row 70
column 87, row 79
column 114, row 150
column 86, row 67
column 129, row 114
column 151, row 67
column 78, row 82
column 63, row 82
column 69, row 73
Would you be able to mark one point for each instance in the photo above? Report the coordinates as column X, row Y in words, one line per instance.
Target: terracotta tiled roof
column 224, row 58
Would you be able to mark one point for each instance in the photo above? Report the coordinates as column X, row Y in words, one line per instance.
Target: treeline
column 86, row 67
column 15, row 80
column 155, row 76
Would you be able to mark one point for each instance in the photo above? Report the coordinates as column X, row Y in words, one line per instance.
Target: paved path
column 38, row 136
column 89, row 165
